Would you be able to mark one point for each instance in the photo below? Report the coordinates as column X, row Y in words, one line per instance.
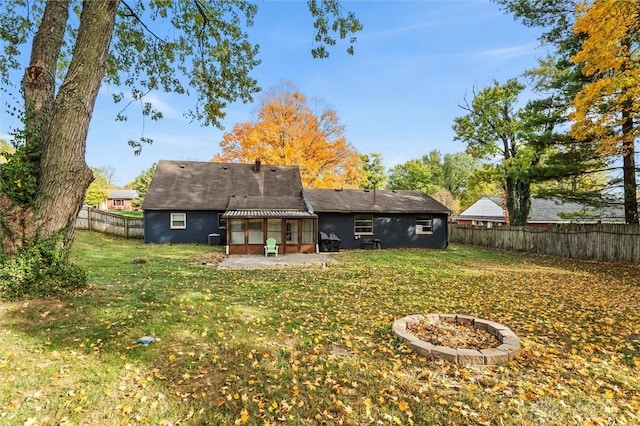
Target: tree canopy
column 288, row 131
column 141, row 184
column 373, row 171
column 493, row 127
column 197, row 48
column 98, row 190
column 607, row 108
column 444, row 177
column 589, row 83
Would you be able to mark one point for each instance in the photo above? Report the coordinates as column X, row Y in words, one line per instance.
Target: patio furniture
column 271, row 247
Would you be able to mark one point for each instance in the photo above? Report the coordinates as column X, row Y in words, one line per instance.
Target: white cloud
column 163, row 106
column 508, row 52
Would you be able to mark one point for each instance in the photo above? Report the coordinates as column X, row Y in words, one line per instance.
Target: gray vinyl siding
column 157, row 227
column 393, row 230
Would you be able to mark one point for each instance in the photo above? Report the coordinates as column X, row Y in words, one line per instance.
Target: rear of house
column 242, row 205
column 380, row 218
column 238, row 205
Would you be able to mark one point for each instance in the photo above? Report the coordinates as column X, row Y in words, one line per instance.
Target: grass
column 129, row 213
column 314, row 346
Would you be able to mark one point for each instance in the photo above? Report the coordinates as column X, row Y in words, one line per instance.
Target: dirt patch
column 208, row 259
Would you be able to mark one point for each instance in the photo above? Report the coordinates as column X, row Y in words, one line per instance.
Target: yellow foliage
column 288, row 132
column 607, row 53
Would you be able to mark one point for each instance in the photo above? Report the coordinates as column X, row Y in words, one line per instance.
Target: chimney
column 257, row 166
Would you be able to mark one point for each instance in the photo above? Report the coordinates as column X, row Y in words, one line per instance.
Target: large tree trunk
column 518, row 201
column 629, row 167
column 60, row 123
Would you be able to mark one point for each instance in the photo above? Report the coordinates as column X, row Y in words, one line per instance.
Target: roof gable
column 485, row 207
column 194, row 185
column 371, row 201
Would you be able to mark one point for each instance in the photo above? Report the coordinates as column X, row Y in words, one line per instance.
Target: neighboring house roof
column 370, row 201
column 543, row 210
column 194, row 185
column 124, row 194
column 553, row 210
column 486, row 208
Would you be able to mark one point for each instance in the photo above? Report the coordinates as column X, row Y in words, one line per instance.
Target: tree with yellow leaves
column 287, row 131
column 608, row 106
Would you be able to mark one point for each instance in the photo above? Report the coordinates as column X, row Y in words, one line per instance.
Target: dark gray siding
column 393, row 230
column 200, row 224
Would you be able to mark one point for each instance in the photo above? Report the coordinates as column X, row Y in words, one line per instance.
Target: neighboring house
column 391, row 219
column 488, row 211
column 241, row 205
column 120, row 199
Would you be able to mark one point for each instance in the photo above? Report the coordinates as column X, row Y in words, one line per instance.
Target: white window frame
column 421, row 225
column 178, row 217
column 362, row 218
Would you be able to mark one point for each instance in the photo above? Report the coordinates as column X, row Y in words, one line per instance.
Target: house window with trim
column 222, row 223
column 236, row 231
column 178, row 221
column 118, row 203
column 274, row 229
column 291, row 232
column 363, row 224
column 256, row 235
column 424, row 225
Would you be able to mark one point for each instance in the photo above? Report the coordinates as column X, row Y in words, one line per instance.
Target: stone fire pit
column 506, row 351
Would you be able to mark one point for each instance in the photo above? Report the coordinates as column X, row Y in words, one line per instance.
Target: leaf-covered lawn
column 314, row 346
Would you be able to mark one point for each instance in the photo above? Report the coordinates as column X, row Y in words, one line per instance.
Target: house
column 241, row 205
column 384, row 218
column 237, row 204
column 488, row 211
column 120, row 199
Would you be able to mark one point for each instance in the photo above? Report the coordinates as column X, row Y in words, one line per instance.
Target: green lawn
column 129, row 213
column 314, row 346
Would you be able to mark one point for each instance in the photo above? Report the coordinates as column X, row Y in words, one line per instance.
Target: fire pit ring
column 508, row 349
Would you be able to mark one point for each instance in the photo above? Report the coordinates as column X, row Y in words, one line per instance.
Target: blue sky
column 414, row 63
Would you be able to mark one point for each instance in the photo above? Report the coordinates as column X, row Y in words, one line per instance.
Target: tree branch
column 133, row 14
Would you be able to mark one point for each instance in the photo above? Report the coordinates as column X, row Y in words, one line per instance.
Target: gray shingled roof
column 543, row 210
column 552, row 210
column 124, row 194
column 369, row 201
column 193, row 185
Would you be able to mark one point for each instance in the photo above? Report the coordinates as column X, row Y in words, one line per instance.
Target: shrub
column 41, row 268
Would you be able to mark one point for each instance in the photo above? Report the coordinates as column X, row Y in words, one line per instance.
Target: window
column 274, row 229
column 256, row 235
column 424, row 225
column 222, row 223
column 308, row 231
column 363, row 224
column 178, row 221
column 236, row 231
column 118, row 202
column 292, row 232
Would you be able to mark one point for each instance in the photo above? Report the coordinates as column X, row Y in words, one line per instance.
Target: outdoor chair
column 271, row 247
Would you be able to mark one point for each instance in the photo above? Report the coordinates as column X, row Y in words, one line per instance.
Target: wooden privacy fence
column 110, row 223
column 610, row 242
